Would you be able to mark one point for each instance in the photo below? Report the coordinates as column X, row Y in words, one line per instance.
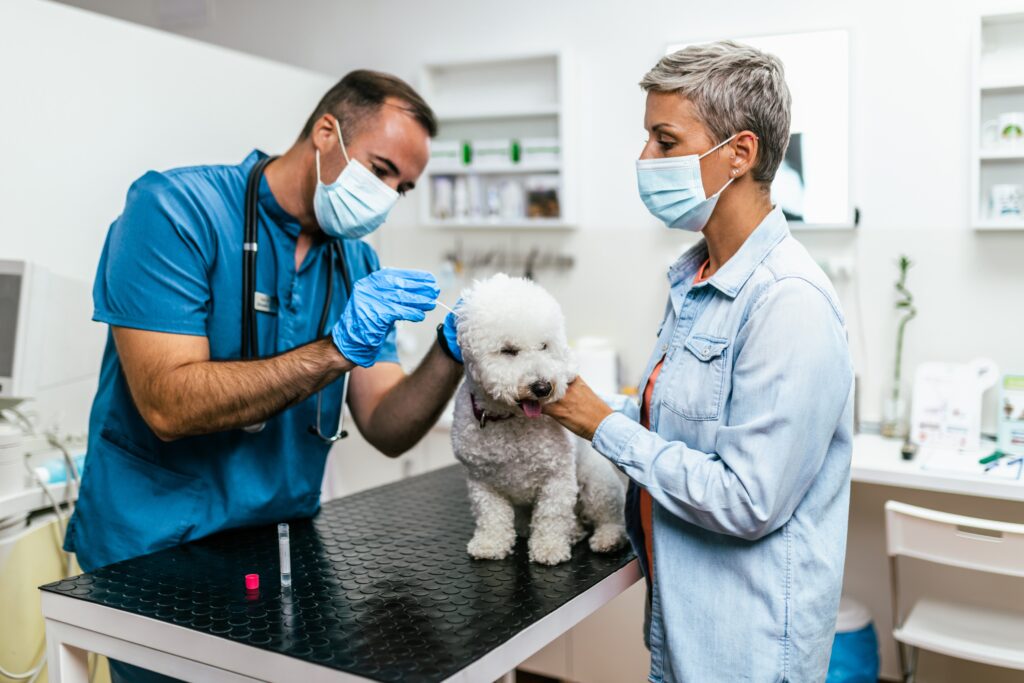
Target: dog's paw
column 607, row 537
column 548, row 549
column 579, row 532
column 486, row 547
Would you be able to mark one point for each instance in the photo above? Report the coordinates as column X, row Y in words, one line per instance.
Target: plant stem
column 906, row 303
column 911, row 314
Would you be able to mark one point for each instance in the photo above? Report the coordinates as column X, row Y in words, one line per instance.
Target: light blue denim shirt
column 748, row 464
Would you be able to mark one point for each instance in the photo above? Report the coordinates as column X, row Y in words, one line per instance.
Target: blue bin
column 855, row 648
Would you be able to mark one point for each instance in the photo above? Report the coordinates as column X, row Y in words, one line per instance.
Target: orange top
column 646, row 502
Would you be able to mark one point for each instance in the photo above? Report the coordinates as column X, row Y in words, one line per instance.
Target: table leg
column 64, row 663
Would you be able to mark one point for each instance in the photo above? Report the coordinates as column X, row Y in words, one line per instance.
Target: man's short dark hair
column 361, row 94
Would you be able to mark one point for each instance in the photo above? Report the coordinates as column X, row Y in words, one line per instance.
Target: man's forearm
column 413, row 405
column 214, row 396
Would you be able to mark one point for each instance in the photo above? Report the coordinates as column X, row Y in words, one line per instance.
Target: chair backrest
column 954, row 540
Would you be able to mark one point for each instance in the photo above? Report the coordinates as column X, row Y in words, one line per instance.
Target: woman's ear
column 743, row 153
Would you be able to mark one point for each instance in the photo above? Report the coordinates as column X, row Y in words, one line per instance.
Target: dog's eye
column 544, row 346
column 510, row 351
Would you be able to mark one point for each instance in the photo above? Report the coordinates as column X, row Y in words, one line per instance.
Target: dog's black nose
column 541, row 389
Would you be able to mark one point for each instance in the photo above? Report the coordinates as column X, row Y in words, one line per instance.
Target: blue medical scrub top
column 172, row 262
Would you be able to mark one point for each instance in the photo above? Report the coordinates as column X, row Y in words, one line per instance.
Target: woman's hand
column 580, row 410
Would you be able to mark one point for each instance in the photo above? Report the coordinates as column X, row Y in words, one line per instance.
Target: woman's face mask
column 355, row 204
column 673, row 190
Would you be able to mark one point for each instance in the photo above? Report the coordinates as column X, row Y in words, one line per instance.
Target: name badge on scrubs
column 264, row 303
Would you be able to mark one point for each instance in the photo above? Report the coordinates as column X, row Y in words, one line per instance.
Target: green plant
column 904, row 304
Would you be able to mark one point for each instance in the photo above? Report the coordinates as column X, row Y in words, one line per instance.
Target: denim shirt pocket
column 696, row 390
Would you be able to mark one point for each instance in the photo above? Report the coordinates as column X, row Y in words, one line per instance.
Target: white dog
column 512, row 336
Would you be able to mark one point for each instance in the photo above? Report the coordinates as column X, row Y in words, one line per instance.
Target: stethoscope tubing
column 249, row 337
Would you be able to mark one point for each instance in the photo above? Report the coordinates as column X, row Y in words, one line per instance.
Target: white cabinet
column 504, row 150
column 606, row 647
column 997, row 135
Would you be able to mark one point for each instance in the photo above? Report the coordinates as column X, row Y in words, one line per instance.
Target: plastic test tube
column 286, row 555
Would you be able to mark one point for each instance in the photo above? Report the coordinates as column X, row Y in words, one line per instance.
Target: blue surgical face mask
column 355, row 204
column 673, row 190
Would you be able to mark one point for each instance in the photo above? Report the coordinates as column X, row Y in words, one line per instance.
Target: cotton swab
column 447, row 308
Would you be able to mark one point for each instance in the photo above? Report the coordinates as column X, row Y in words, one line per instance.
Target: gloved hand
column 448, row 331
column 377, row 301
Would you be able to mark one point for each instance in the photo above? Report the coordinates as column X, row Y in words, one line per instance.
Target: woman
column 739, row 453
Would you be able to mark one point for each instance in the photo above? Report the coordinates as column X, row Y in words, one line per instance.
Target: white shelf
column 1002, row 154
column 995, row 225
column 997, row 86
column 471, row 170
column 877, row 460
column 507, row 97
column 484, row 224
column 1002, row 86
column 535, row 111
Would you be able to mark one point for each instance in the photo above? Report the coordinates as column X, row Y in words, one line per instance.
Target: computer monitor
column 22, row 293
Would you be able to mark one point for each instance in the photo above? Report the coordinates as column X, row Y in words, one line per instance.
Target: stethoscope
column 250, row 339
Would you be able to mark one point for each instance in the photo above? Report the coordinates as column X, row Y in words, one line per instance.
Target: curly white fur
column 512, row 336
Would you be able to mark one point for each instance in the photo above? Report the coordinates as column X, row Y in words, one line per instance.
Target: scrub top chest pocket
column 696, row 379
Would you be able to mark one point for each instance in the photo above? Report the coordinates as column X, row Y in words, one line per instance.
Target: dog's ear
column 572, row 365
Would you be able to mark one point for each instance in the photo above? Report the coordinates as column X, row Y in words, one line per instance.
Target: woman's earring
column 735, row 171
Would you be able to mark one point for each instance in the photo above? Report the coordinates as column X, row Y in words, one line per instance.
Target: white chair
column 964, row 631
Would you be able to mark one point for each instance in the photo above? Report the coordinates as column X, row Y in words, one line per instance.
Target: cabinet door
column 608, row 646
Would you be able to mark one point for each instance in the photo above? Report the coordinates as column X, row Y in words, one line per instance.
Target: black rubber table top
column 382, row 585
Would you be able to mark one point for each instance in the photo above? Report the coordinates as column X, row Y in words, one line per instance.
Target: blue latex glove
column 450, row 333
column 377, row 302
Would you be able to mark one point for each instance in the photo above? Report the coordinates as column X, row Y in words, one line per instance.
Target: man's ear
column 324, row 135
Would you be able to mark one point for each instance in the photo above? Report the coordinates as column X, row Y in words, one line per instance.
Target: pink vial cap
column 252, row 582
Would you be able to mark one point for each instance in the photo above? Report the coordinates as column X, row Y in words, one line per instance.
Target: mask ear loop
column 729, row 181
column 728, row 139
column 344, row 151
column 342, row 141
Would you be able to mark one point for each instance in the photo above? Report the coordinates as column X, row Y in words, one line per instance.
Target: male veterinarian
column 197, row 427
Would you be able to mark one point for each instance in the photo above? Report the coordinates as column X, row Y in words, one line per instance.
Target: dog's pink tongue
column 531, row 408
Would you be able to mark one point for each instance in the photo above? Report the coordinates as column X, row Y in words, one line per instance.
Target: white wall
column 910, row 143
column 910, row 146
column 91, row 103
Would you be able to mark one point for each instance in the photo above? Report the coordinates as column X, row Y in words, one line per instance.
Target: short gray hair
column 733, row 87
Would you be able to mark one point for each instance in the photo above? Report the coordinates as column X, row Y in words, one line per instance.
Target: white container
column 461, row 198
column 492, row 154
column 1005, row 201
column 513, row 200
column 443, row 199
column 446, row 155
column 544, row 152
column 476, row 197
column 598, row 364
column 12, row 470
